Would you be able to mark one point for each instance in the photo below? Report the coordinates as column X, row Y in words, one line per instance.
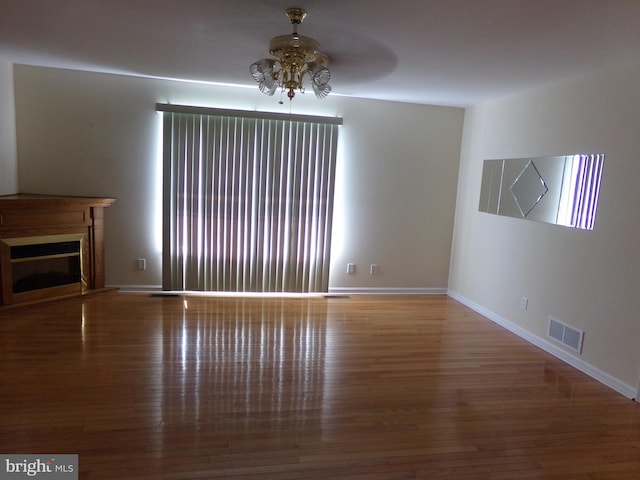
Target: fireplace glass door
column 33, row 265
column 45, row 265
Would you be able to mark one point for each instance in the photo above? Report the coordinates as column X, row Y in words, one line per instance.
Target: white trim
column 387, row 291
column 603, row 377
column 337, row 290
column 137, row 288
column 157, row 290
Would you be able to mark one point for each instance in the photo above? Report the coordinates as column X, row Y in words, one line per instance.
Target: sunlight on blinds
column 248, row 202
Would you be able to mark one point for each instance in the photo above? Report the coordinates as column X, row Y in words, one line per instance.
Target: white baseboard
column 337, row 290
column 387, row 291
column 597, row 374
column 157, row 289
column 137, row 288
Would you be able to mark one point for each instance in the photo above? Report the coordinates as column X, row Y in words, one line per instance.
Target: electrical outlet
column 351, row 268
column 524, row 303
column 373, row 269
column 142, row 264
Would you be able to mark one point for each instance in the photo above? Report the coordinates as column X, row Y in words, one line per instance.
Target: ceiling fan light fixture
column 321, row 91
column 268, row 86
column 318, row 71
column 295, row 57
column 262, row 69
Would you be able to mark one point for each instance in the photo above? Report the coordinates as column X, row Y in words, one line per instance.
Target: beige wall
column 81, row 133
column 91, row 134
column 589, row 280
column 8, row 157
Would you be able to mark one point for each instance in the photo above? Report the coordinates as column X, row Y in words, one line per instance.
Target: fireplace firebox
column 50, row 247
column 53, row 261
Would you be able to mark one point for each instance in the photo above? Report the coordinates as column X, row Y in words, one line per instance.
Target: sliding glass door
column 248, row 200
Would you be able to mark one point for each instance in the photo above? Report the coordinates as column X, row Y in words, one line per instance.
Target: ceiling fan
column 295, row 58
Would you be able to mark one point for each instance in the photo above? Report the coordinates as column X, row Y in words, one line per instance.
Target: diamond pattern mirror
column 562, row 190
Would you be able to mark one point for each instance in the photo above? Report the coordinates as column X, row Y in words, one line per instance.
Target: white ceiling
column 443, row 52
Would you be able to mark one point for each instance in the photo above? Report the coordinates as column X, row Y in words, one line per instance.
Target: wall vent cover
column 563, row 333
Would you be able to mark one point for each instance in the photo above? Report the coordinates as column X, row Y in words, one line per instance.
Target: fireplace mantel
column 32, row 216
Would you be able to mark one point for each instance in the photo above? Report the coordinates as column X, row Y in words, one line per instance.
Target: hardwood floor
column 366, row 388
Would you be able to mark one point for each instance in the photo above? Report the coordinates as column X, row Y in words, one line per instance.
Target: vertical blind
column 248, row 200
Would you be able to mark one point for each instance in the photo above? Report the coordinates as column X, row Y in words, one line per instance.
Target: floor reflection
column 231, row 362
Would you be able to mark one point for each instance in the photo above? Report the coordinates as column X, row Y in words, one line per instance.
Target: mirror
column 562, row 190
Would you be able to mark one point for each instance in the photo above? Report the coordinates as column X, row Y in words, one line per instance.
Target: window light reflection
column 224, row 347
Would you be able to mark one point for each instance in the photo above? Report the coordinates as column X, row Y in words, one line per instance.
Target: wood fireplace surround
column 43, row 233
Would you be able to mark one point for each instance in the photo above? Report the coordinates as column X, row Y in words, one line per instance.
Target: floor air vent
column 565, row 334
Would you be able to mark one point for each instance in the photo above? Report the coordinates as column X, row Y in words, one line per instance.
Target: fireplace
column 44, row 262
column 50, row 247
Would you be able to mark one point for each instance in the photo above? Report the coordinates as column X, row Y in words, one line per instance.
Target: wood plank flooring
column 361, row 388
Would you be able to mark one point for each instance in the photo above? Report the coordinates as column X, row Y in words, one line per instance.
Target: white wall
column 590, row 280
column 92, row 134
column 8, row 156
